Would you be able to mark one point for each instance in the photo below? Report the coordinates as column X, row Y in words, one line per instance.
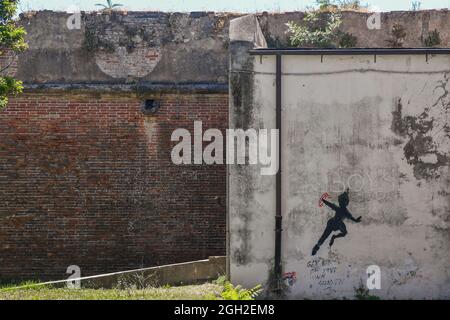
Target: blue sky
column 223, row 5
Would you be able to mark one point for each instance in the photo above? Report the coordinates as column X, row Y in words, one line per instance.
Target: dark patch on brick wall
column 83, row 181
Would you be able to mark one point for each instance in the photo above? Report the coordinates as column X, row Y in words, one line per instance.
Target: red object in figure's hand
column 324, row 196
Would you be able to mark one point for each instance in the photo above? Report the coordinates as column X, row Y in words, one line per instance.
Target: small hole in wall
column 150, row 106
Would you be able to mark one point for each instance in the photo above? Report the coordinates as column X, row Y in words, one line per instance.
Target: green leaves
column 12, row 38
column 315, row 32
column 109, row 5
column 433, row 39
column 7, row 10
column 319, row 27
column 231, row 292
column 8, row 86
column 11, row 41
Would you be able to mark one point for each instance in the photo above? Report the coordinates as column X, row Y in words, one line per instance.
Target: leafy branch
column 320, row 27
column 12, row 42
column 232, row 292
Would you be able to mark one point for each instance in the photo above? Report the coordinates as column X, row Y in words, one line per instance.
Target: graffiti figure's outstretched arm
column 331, row 205
column 349, row 216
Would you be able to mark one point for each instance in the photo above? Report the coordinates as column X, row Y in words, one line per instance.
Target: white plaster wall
column 252, row 195
column 342, row 128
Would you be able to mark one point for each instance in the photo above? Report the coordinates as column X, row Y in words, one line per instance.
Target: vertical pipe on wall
column 278, row 215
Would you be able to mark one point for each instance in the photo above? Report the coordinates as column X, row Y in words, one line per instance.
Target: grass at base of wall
column 195, row 292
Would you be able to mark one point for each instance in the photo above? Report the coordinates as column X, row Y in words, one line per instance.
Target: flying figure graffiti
column 337, row 222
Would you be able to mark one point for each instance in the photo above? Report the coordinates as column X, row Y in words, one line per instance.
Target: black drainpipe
column 278, row 215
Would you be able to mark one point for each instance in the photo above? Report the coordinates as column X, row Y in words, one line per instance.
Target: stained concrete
column 193, row 272
column 378, row 126
column 125, row 47
column 176, row 48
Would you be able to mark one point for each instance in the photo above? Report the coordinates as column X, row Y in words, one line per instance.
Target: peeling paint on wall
column 428, row 134
column 379, row 128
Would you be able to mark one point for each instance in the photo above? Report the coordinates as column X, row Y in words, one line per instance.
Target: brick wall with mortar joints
column 87, row 179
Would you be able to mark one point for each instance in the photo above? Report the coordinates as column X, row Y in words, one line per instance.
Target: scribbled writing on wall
column 324, row 273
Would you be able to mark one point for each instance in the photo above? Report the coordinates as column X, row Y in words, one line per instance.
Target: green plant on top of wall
column 398, row 35
column 109, row 5
column 433, row 39
column 320, row 27
column 353, row 5
column 415, row 5
column 347, row 40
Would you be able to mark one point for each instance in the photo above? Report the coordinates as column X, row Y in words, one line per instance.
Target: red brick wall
column 87, row 179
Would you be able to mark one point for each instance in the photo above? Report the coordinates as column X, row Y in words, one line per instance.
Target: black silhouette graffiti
column 337, row 222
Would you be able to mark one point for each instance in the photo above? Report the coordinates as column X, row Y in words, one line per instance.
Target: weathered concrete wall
column 161, row 47
column 130, row 47
column 417, row 24
column 250, row 195
column 378, row 126
column 381, row 129
column 187, row 273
